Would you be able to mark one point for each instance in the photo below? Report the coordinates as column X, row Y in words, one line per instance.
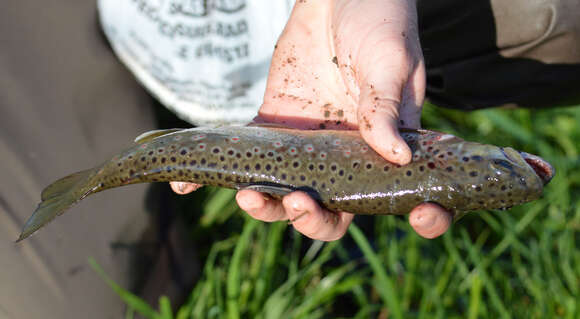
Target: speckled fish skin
column 337, row 168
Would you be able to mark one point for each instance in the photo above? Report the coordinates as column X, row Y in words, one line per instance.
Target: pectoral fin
column 272, row 189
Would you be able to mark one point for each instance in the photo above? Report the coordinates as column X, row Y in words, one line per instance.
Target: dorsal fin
column 150, row 135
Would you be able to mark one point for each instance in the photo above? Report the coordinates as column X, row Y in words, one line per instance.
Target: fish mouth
column 543, row 169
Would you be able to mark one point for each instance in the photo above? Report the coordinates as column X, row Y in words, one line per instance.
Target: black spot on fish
column 203, row 161
column 235, row 166
column 386, row 168
column 431, row 165
column 332, row 180
column 350, row 177
column 478, row 188
column 409, row 173
column 295, row 164
column 503, row 187
column 258, row 166
column 262, row 156
column 283, row 176
column 465, row 159
column 268, row 167
column 321, row 167
column 270, row 154
column 193, row 162
column 449, row 168
column 355, row 164
column 212, row 165
column 397, row 181
column 248, row 154
column 279, row 159
column 231, row 152
column 180, row 173
column 150, row 153
column 341, row 172
column 435, row 152
column 313, row 183
column 163, row 160
column 238, row 155
column 473, row 174
column 311, row 166
column 477, row 158
column 450, row 153
column 421, row 168
column 173, row 159
column 154, row 160
column 222, row 158
column 333, row 167
column 247, row 168
column 183, row 152
column 369, row 166
column 302, row 177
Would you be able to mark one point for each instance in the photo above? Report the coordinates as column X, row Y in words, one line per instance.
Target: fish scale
column 337, row 168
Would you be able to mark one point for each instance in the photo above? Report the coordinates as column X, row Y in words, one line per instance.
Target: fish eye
column 500, row 163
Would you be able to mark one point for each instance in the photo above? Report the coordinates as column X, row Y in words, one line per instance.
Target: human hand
column 345, row 65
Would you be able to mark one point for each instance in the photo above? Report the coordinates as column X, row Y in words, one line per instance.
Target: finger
column 311, row 220
column 260, row 206
column 378, row 123
column 413, row 98
column 183, row 188
column 430, row 220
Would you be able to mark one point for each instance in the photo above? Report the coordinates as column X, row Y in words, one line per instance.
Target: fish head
column 504, row 177
column 516, row 163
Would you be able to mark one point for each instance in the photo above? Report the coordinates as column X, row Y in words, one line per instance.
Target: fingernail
column 181, row 186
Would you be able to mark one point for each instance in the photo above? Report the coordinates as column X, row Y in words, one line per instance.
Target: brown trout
column 337, row 168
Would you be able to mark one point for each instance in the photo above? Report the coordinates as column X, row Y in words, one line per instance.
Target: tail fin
column 56, row 198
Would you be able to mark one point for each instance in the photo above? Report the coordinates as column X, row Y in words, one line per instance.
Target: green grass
column 522, row 263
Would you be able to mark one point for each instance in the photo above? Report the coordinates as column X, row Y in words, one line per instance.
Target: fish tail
column 57, row 197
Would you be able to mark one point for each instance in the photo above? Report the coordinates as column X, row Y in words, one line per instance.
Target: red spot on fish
column 201, row 146
column 235, row 139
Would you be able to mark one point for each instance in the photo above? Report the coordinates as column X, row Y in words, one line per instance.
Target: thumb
column 378, row 116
